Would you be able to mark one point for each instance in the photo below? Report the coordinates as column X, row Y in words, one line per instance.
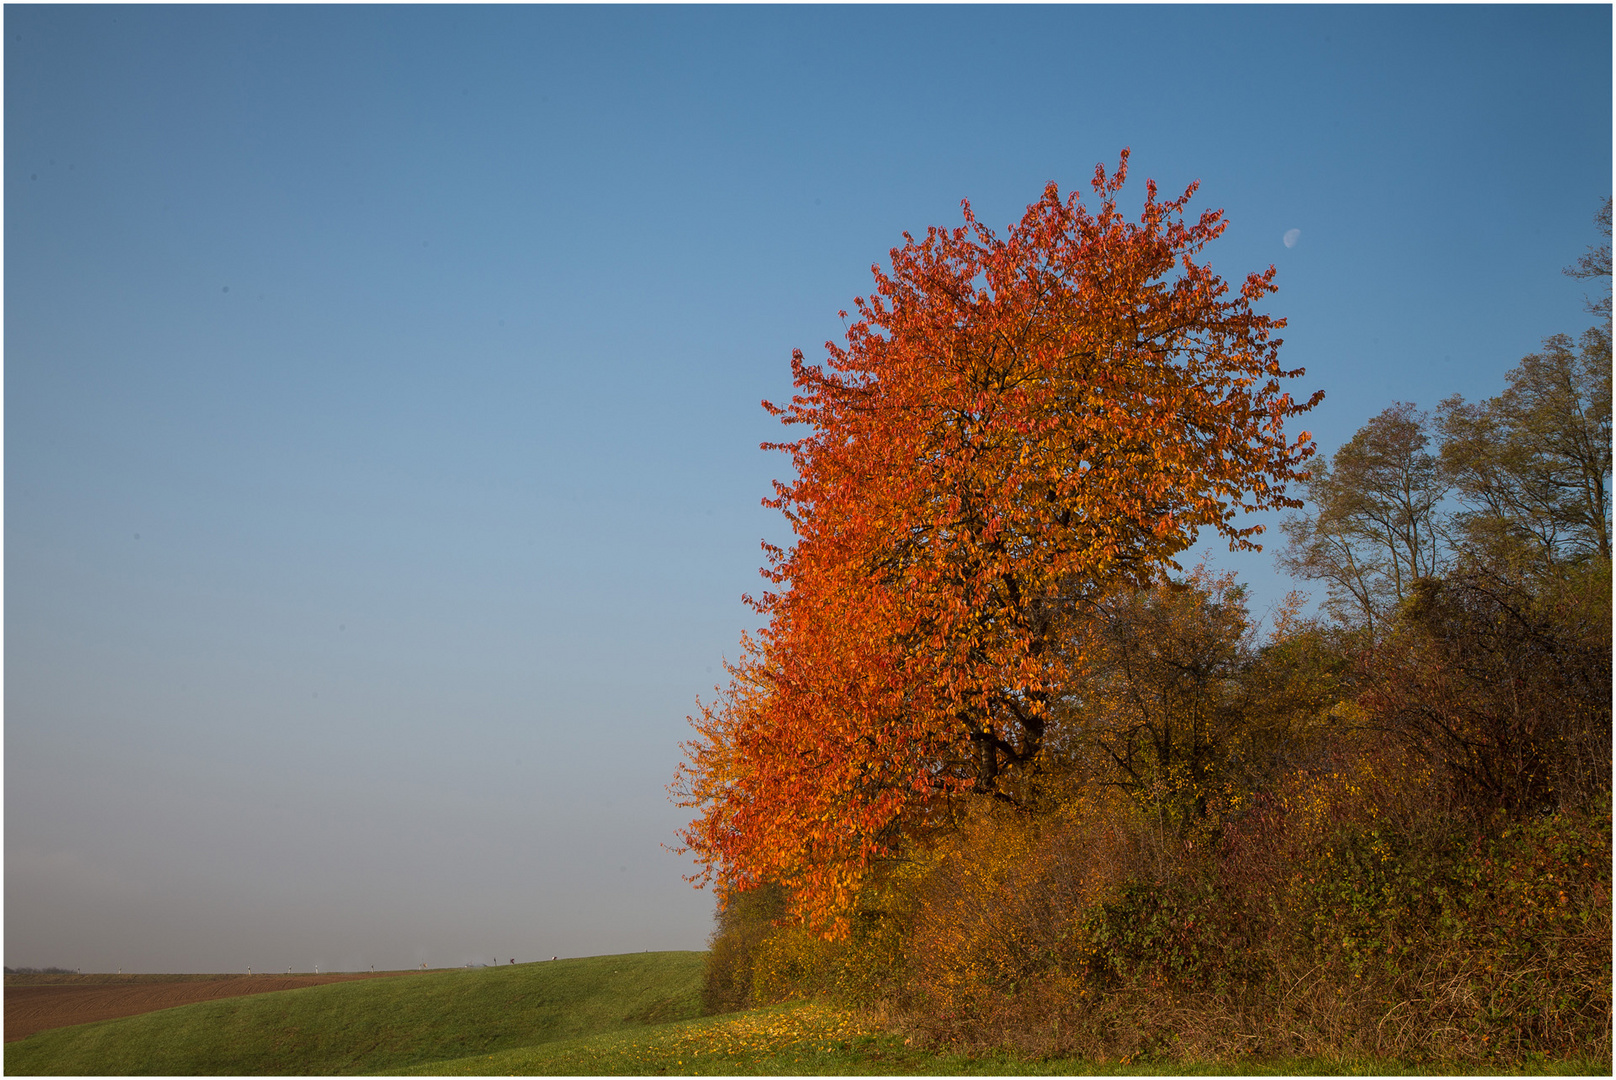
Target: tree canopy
column 1013, row 426
column 1528, row 470
column 1378, row 528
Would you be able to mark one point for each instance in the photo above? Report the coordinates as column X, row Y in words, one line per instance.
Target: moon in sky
column 1291, row 236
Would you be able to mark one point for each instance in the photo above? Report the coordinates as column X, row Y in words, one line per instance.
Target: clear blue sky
column 381, row 395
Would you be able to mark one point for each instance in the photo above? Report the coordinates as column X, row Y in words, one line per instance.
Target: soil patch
column 35, row 1004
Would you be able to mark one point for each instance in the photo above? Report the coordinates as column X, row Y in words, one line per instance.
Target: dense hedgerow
column 1348, row 913
column 1355, row 903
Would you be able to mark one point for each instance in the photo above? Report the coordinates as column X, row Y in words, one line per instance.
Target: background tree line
column 1469, row 552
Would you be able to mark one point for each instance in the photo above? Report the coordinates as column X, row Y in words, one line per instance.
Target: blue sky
column 381, row 395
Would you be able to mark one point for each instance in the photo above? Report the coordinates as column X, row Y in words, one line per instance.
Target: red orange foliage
column 1012, row 425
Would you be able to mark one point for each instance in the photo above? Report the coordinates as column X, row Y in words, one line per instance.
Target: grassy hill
column 634, row 1014
column 378, row 1026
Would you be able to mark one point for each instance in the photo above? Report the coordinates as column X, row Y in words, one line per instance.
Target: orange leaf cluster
column 1012, row 426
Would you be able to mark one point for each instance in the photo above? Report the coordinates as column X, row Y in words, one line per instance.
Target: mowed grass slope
column 379, row 1025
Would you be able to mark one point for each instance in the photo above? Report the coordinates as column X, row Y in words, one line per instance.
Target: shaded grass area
column 377, row 1025
column 809, row 1039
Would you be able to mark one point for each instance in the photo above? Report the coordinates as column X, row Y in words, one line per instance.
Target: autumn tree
column 1594, row 264
column 1179, row 699
column 1162, row 700
column 1378, row 525
column 1529, row 469
column 1532, row 465
column 1506, row 688
column 1495, row 665
column 1013, row 425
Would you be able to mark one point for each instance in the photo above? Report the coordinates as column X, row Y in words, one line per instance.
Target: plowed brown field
column 80, row 999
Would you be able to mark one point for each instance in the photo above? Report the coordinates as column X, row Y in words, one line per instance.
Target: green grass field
column 635, row 1014
column 377, row 1025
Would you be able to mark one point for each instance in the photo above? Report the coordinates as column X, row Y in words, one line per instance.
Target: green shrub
column 744, row 922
